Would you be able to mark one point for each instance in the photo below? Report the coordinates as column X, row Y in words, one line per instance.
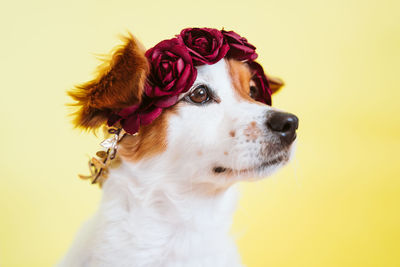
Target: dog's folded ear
column 119, row 84
column 275, row 83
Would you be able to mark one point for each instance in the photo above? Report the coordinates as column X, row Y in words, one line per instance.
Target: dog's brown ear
column 119, row 83
column 275, row 83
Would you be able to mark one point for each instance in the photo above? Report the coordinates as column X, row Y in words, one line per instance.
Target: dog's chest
column 158, row 246
column 152, row 233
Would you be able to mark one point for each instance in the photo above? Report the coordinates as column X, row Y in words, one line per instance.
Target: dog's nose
column 284, row 125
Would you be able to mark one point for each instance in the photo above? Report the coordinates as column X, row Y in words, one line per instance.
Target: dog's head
column 216, row 133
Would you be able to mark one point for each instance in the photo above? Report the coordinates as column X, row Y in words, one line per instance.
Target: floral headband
column 172, row 72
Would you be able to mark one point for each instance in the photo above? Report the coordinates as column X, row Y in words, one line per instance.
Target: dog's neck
column 163, row 216
column 164, row 200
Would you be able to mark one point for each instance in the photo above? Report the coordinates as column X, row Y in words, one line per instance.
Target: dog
column 169, row 201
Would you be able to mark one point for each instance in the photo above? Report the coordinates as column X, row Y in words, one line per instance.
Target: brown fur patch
column 241, row 80
column 151, row 140
column 119, row 84
column 241, row 77
column 232, row 133
column 252, row 132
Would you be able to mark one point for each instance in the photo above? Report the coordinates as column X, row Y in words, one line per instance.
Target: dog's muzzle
column 284, row 125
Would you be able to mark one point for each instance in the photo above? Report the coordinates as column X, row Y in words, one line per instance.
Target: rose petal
column 169, row 55
column 131, row 124
column 180, row 65
column 127, row 111
column 113, row 119
column 168, row 88
column 182, row 82
column 168, row 78
column 148, row 89
column 167, row 101
column 231, row 34
column 242, row 49
column 150, row 116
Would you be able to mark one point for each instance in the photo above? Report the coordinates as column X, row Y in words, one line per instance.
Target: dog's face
column 217, row 133
column 220, row 131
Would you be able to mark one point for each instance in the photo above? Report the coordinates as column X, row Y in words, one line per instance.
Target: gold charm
column 99, row 166
column 101, row 154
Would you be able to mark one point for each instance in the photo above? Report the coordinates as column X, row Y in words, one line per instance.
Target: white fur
column 172, row 210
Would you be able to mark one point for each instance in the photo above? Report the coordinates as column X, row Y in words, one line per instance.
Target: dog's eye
column 254, row 92
column 200, row 95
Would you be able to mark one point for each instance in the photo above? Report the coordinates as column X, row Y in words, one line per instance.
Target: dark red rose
column 264, row 92
column 207, row 46
column 171, row 72
column 240, row 49
column 131, row 118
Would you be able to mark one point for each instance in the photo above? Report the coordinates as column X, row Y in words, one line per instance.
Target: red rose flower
column 171, row 72
column 240, row 49
column 131, row 118
column 207, row 46
column 264, row 91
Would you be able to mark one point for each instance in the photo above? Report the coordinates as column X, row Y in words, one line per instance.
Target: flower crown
column 172, row 72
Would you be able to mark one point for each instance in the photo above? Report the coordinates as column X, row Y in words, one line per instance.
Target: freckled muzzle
column 283, row 125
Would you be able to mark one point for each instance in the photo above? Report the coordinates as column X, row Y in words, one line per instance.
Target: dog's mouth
column 269, row 163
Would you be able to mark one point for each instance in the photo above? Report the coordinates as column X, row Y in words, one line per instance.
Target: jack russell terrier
column 187, row 119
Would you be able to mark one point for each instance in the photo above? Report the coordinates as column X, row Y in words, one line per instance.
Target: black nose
column 284, row 125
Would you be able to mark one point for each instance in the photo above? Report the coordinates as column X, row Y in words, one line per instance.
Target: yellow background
column 336, row 204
